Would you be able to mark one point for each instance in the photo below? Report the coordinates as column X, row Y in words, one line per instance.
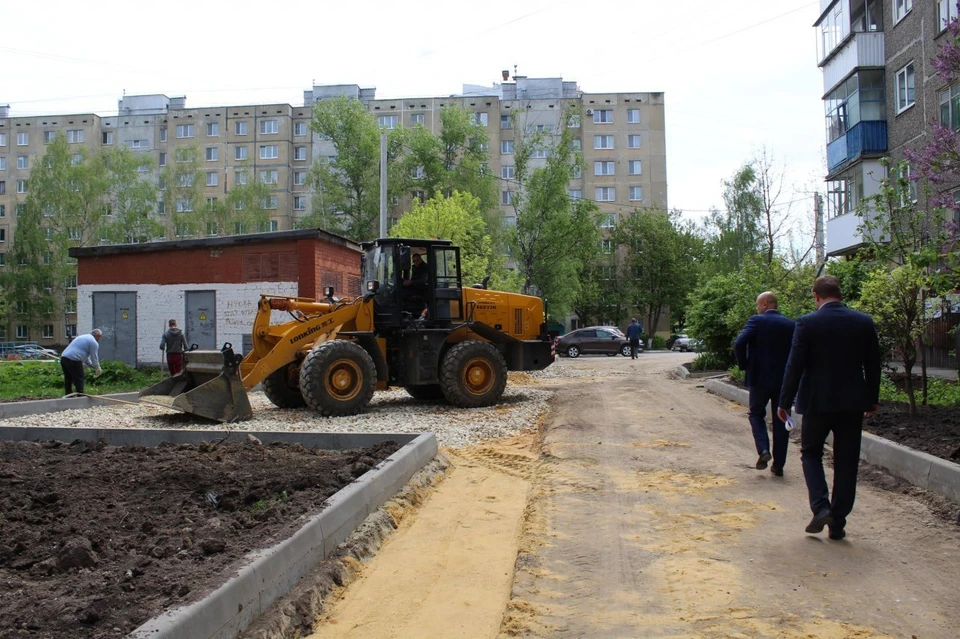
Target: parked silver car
column 684, row 344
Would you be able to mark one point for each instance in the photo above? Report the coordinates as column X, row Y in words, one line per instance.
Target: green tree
column 456, row 218
column 131, row 197
column 346, row 188
column 735, row 235
column 663, row 260
column 182, row 186
column 554, row 234
column 605, row 287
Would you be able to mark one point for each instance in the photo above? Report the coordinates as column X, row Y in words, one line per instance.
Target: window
column 910, row 196
column 507, row 172
column 75, row 233
column 184, row 206
column 605, row 194
column 574, row 121
column 3, row 187
column 633, row 116
column 3, row 235
column 299, row 203
column 269, row 127
column 21, row 186
column 603, row 116
column 23, row 139
column 387, row 121
column 71, row 281
column 946, row 11
column 636, row 193
column 506, row 197
column 163, row 134
column 184, row 131
column 3, row 163
column 240, row 128
column 49, row 136
column 274, row 225
column 137, row 144
column 21, row 208
column 603, row 141
column 603, row 168
column 606, row 246
column 417, row 173
column 299, row 178
column 213, row 129
column 22, row 332
column 949, row 107
column 3, row 258
column 300, row 153
column 75, row 136
column 633, row 141
column 576, row 145
column 212, row 153
column 506, row 122
column 506, row 147
column 161, row 159
column 185, row 180
column 634, row 167
column 240, row 177
column 213, row 178
column 609, row 221
column 540, row 153
column 299, row 128
column 184, row 155
column 70, row 330
column 3, row 139
column 575, row 194
column 240, row 153
column 213, row 229
column 480, row 118
column 161, row 183
column 239, row 228
column 70, row 306
column 161, row 208
column 269, row 202
column 3, row 210
column 905, row 97
column 902, row 8
column 47, row 331
column 269, row 152
column 76, row 159
column 106, row 138
column 269, row 177
column 211, row 203
column 416, row 118
column 577, row 171
column 22, row 162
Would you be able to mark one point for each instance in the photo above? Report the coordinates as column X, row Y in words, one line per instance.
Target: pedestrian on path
column 834, row 374
column 175, row 343
column 762, row 348
column 633, row 334
column 84, row 349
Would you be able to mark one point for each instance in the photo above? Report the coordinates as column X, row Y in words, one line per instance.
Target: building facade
column 881, row 94
column 621, row 136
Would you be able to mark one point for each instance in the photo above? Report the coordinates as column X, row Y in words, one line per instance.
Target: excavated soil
column 96, row 539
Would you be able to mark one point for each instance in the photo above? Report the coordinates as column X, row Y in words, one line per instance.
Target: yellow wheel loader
column 415, row 327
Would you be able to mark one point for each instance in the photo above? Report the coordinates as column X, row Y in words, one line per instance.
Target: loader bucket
column 209, row 386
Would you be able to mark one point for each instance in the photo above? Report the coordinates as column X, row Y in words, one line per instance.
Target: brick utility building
column 210, row 286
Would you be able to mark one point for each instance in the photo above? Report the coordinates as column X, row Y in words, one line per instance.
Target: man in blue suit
column 834, row 374
column 762, row 348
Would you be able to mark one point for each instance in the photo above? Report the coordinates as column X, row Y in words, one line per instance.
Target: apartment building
column 622, row 138
column 880, row 95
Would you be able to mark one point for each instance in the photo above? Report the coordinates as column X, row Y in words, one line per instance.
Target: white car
column 685, row 344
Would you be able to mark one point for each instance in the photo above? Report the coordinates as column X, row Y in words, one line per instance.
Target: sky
column 738, row 76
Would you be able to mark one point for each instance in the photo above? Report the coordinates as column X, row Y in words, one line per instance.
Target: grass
column 940, row 392
column 36, row 379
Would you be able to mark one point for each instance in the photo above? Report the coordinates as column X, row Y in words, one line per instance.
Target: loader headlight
column 328, row 292
column 373, row 286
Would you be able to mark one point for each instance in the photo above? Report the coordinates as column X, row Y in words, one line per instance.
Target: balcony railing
column 862, row 138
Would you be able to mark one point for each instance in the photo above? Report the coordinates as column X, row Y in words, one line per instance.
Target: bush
column 709, row 362
column 737, row 374
column 44, row 379
column 940, row 392
column 659, row 342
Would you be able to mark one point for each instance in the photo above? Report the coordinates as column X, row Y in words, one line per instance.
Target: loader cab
column 416, row 282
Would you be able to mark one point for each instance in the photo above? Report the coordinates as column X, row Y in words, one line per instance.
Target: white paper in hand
column 789, row 424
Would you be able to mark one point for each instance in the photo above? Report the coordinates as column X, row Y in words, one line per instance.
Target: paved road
column 647, row 519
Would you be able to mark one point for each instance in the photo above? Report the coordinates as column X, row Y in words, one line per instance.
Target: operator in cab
column 417, row 283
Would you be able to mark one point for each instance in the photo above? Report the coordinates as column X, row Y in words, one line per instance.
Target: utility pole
column 383, row 183
column 818, row 227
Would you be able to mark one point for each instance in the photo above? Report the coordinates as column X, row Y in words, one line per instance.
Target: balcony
column 863, row 138
column 860, row 50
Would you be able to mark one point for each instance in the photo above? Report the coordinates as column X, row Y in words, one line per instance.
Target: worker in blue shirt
column 633, row 334
column 82, row 350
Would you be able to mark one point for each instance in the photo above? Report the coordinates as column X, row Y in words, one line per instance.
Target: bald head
column 766, row 301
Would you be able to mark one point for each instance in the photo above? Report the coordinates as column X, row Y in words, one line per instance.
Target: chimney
column 506, row 74
column 4, row 110
column 179, row 102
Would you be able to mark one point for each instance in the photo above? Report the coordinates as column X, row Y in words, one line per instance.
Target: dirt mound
column 97, row 539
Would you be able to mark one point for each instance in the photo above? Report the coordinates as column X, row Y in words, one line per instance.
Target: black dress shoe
column 821, row 519
column 765, row 456
column 837, row 533
column 776, row 471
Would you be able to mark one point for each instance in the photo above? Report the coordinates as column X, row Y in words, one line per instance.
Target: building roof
column 229, row 240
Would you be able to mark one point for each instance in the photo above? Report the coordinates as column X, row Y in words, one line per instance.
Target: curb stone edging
column 920, row 469
column 37, row 406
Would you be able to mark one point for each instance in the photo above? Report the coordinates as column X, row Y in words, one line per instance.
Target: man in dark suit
column 762, row 349
column 834, row 374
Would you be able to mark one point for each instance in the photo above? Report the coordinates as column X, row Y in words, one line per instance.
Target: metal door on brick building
column 201, row 328
column 116, row 315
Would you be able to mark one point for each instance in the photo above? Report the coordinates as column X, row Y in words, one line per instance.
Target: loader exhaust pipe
column 209, row 386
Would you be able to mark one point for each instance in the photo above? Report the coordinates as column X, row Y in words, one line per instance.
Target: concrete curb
column 683, row 373
column 919, row 468
column 269, row 573
column 37, row 406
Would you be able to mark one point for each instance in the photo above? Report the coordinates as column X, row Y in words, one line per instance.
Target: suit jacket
column 834, row 363
column 762, row 348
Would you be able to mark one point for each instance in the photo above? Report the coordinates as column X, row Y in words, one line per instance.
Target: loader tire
column 282, row 387
column 473, row 374
column 338, row 378
column 425, row 392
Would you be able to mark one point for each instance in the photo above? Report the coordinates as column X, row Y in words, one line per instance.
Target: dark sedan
column 595, row 339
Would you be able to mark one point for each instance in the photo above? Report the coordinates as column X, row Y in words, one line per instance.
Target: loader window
column 447, row 293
